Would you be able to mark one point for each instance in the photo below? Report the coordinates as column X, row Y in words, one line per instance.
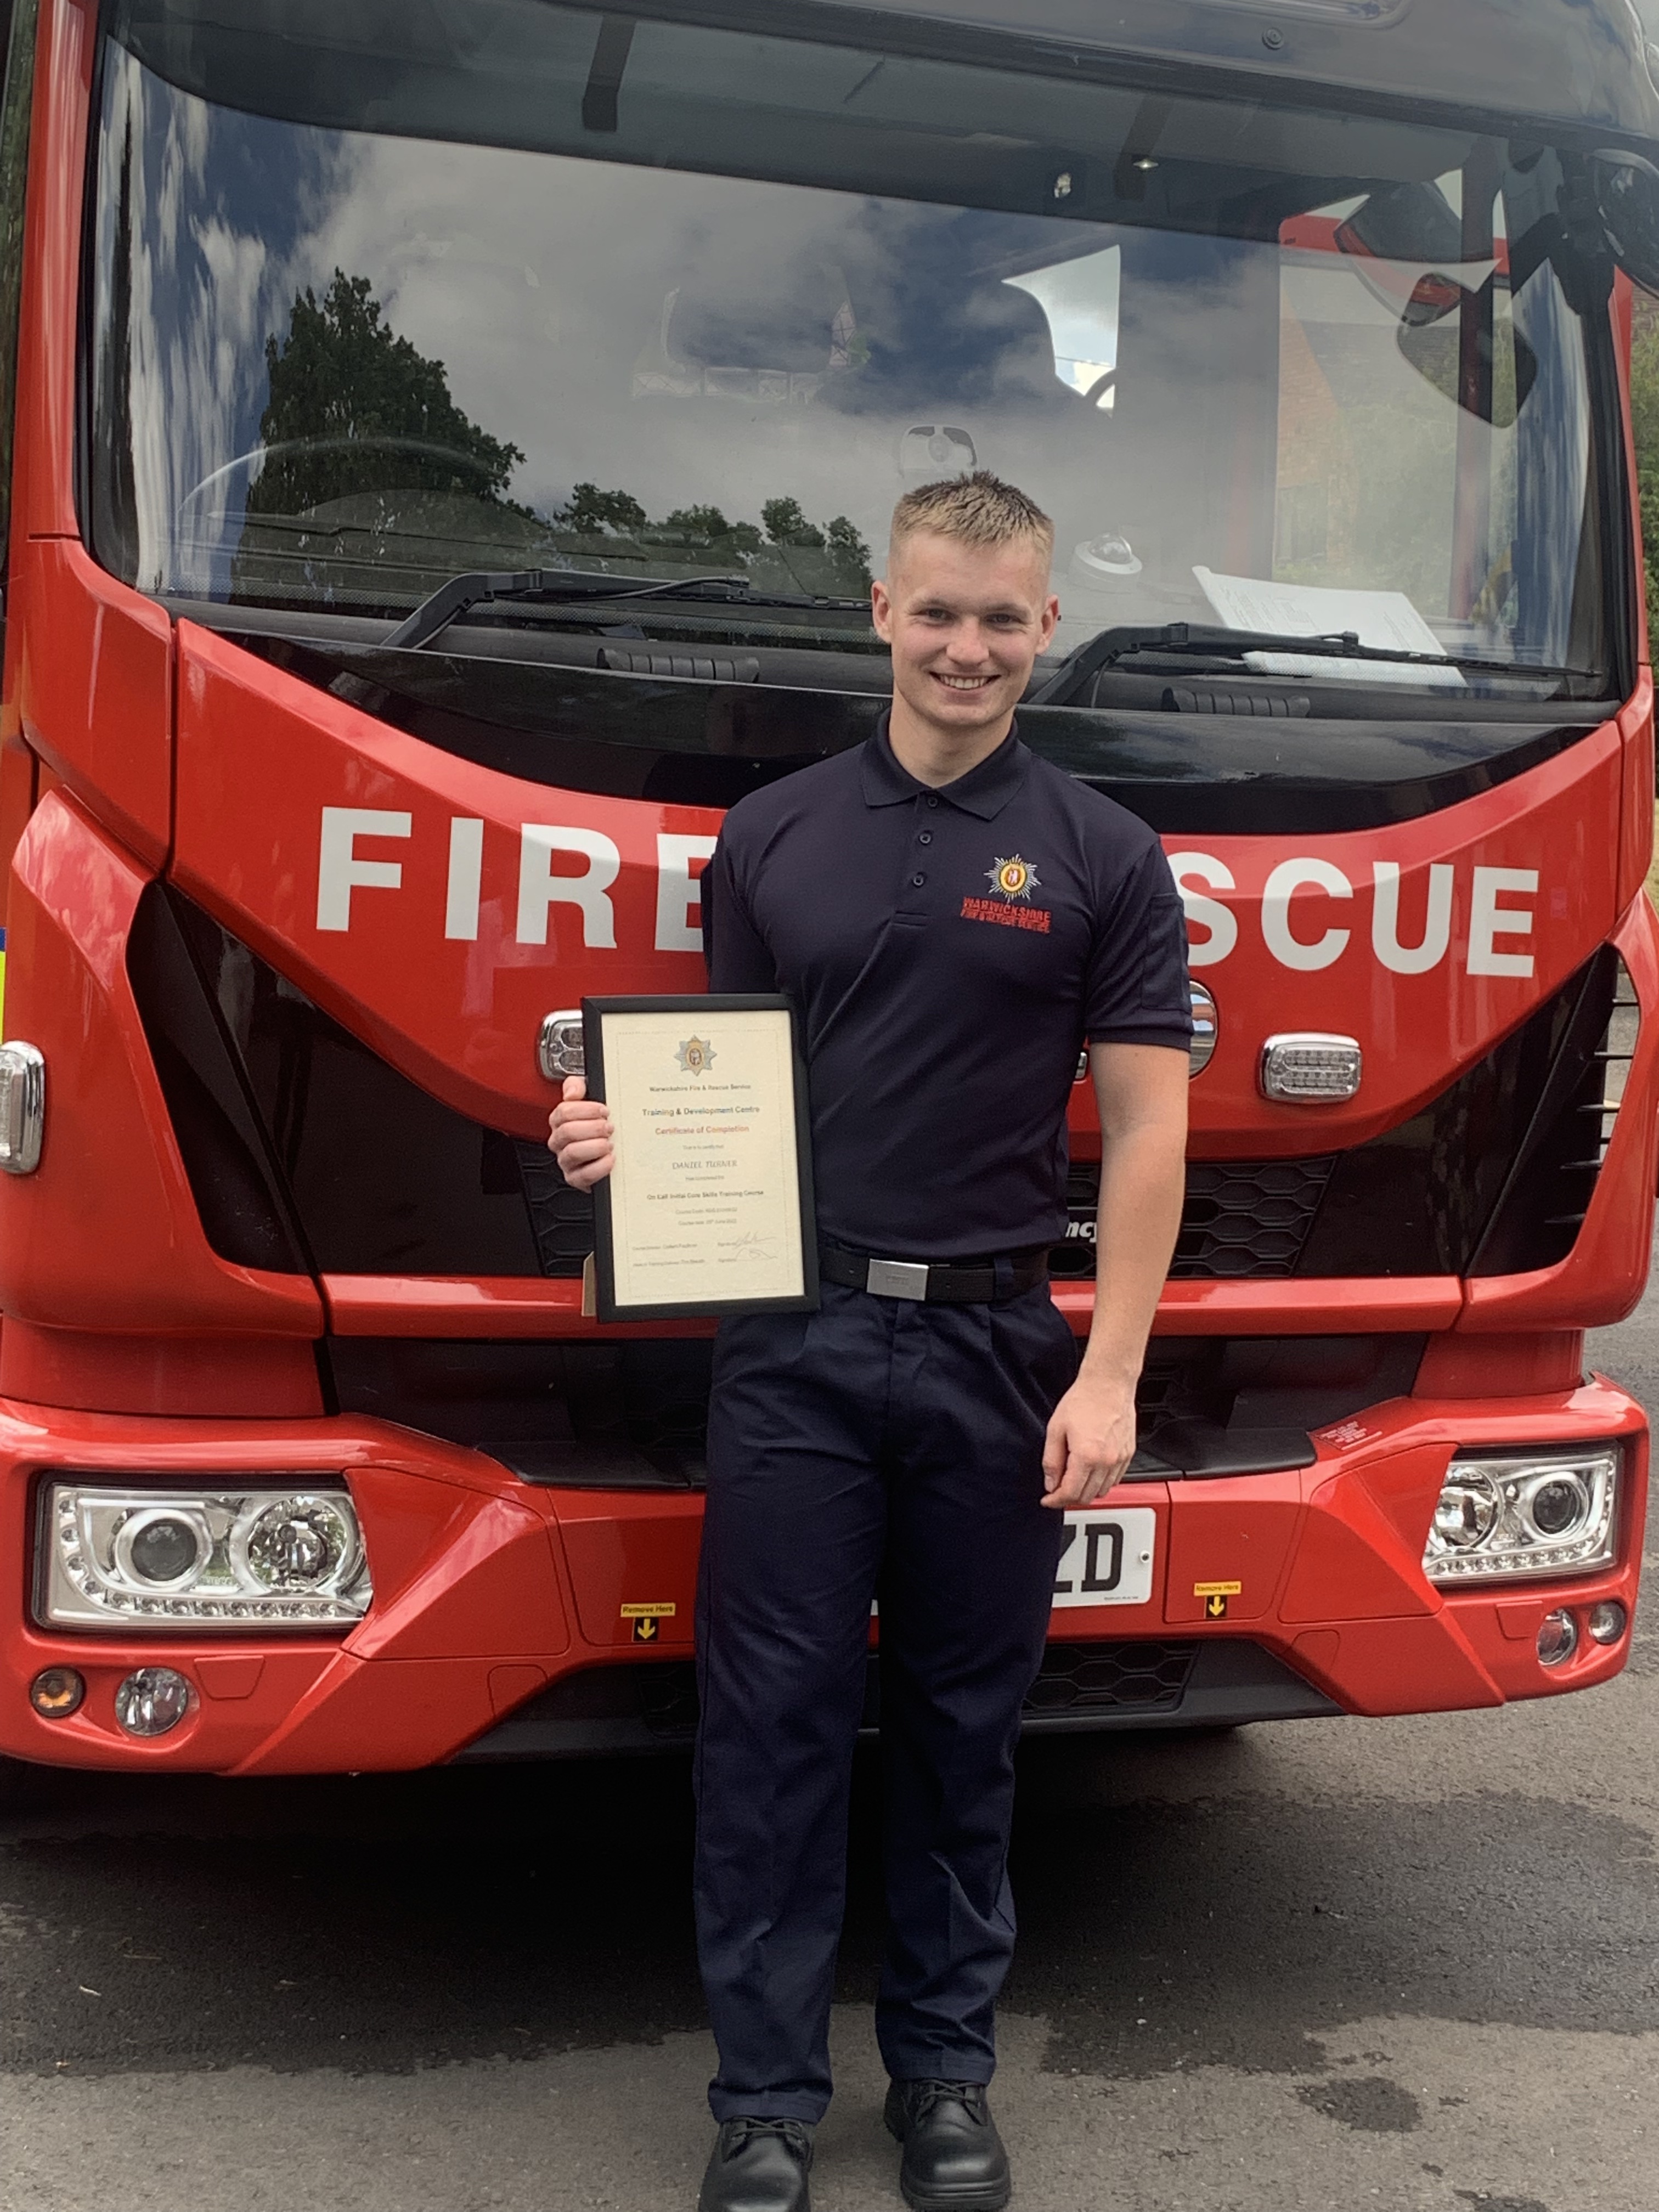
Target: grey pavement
column 1403, row 1964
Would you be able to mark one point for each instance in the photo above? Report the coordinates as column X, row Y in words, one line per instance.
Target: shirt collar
column 984, row 791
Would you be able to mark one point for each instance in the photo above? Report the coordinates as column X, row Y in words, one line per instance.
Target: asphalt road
column 1408, row 1964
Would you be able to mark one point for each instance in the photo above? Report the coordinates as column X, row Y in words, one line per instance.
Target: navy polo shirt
column 948, row 951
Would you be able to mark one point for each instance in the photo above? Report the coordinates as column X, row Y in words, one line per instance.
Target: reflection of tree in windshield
column 355, row 408
column 376, row 485
column 791, row 554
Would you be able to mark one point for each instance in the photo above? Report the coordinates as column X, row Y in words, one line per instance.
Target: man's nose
column 967, row 642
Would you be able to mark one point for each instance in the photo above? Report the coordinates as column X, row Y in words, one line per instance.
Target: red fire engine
column 444, row 449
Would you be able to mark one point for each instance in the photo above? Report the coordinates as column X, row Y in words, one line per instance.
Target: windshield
column 382, row 295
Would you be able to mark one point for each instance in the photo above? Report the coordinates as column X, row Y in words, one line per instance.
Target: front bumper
column 506, row 1616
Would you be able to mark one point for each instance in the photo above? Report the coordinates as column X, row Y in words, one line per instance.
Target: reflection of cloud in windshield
column 577, row 308
column 697, row 342
column 577, row 320
column 207, row 274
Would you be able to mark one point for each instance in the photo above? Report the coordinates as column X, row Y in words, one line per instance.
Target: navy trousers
column 878, row 1446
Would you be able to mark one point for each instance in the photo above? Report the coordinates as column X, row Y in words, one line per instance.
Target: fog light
column 153, row 1700
column 1558, row 1637
column 1607, row 1621
column 55, row 1692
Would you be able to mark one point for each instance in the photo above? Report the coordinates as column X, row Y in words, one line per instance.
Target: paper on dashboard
column 1380, row 619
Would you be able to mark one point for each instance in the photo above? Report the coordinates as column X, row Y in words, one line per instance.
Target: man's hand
column 1091, row 1439
column 581, row 1138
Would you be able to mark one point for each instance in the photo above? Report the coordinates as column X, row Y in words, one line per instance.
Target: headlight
column 1547, row 1513
column 237, row 1561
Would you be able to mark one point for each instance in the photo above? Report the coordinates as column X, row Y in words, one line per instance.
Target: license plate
column 1108, row 1556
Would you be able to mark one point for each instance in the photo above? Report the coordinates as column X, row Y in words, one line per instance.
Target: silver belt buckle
column 897, row 1278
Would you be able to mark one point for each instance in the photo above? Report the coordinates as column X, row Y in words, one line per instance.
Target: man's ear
column 881, row 612
column 1050, row 617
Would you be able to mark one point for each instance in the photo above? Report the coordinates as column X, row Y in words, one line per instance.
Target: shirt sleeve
column 733, row 950
column 1137, row 991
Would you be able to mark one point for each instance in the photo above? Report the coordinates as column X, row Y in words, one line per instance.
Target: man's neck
column 936, row 756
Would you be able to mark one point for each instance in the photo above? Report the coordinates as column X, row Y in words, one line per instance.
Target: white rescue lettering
column 679, row 894
column 338, row 869
column 1490, row 918
column 1207, row 914
column 1288, row 877
column 1488, row 922
column 1411, row 959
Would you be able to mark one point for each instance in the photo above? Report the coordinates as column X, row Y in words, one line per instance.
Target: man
column 952, row 917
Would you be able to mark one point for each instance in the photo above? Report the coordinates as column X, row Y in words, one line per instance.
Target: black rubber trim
column 652, row 1707
column 680, row 740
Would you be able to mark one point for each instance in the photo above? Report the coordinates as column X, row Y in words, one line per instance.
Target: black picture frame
column 596, row 1012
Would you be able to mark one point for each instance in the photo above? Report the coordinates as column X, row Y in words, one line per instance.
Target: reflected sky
column 1176, row 400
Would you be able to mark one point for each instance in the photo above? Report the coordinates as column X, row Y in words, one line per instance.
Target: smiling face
column 965, row 622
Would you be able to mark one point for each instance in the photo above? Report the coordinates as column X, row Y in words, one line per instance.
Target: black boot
column 954, row 2161
column 758, row 2165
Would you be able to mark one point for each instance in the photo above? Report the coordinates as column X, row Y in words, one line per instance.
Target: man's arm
column 1141, row 1092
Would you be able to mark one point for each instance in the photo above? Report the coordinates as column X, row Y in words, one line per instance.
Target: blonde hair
column 975, row 510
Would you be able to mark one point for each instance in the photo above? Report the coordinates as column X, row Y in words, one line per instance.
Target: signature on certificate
column 756, row 1244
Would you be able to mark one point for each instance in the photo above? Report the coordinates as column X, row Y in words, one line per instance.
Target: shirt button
column 926, row 838
column 933, row 802
column 918, row 881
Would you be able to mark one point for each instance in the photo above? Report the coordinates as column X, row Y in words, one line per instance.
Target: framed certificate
column 709, row 1207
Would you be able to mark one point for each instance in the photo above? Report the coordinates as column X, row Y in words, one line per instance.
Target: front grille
column 307, row 1152
column 1241, row 1218
column 561, row 1218
column 1247, row 1218
column 1089, row 1678
column 1131, row 1676
column 1593, row 1108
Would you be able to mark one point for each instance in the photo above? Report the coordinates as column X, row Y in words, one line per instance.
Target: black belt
column 937, row 1282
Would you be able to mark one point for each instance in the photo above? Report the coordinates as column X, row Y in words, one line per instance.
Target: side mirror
column 1431, row 338
column 1626, row 189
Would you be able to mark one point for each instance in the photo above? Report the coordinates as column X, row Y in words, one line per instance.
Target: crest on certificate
column 696, row 1055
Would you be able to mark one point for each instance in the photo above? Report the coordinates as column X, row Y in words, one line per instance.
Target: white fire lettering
column 539, row 888
column 338, row 869
column 679, row 897
column 465, row 877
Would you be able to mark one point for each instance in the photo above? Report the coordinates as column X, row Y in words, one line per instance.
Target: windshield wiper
column 1109, row 647
column 479, row 587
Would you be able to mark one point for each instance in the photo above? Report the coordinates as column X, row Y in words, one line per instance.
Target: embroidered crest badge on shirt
column 1014, row 878
column 696, row 1055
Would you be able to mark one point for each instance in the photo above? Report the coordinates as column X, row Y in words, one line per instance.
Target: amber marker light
column 56, row 1692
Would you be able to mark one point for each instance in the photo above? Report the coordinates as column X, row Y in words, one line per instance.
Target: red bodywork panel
column 323, row 838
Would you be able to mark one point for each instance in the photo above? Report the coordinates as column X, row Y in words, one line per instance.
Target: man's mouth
column 963, row 683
